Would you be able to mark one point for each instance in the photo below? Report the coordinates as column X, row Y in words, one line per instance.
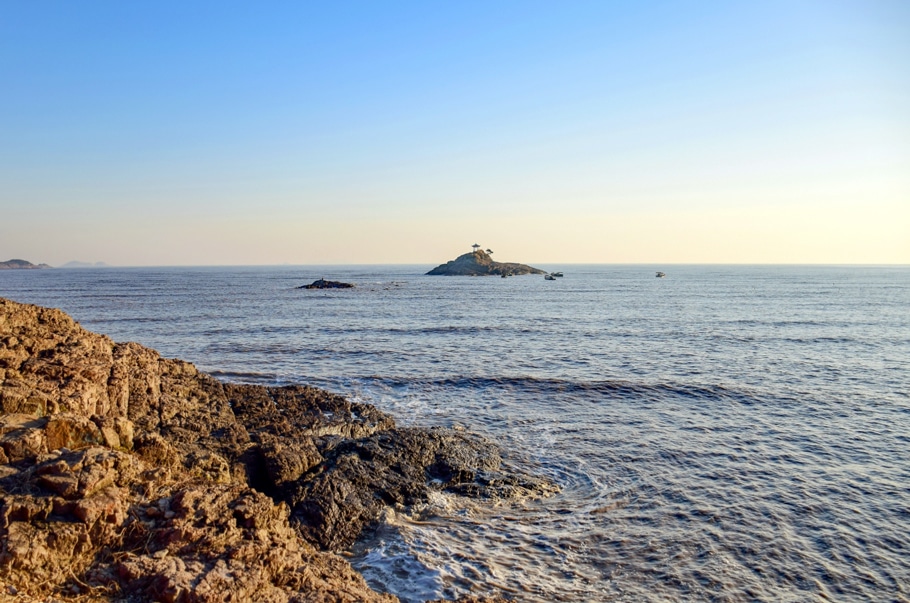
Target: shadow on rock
column 124, row 472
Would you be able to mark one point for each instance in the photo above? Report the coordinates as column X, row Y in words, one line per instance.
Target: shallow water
column 722, row 434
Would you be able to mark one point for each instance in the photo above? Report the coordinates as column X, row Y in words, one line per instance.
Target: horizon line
column 651, row 263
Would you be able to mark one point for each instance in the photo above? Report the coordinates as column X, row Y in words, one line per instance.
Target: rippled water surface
column 722, row 434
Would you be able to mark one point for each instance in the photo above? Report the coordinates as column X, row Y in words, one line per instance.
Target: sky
column 176, row 133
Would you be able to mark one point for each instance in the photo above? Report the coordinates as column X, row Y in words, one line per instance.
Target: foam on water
column 724, row 434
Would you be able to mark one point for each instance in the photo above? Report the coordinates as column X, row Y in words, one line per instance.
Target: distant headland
column 21, row 265
column 480, row 263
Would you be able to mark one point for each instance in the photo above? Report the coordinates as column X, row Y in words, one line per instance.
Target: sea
column 725, row 434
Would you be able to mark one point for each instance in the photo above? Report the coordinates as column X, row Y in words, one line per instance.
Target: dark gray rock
column 124, row 470
column 324, row 284
column 399, row 468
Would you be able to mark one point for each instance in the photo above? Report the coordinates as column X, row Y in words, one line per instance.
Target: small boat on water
column 661, row 275
column 556, row 274
column 549, row 277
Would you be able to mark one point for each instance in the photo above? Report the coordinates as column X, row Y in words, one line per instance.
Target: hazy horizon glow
column 356, row 133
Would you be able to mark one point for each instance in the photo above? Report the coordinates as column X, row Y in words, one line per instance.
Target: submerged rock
column 324, row 284
column 479, row 263
column 124, row 472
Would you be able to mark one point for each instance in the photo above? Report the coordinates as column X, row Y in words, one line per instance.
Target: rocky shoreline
column 125, row 476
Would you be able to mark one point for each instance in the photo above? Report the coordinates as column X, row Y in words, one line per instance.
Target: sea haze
column 726, row 433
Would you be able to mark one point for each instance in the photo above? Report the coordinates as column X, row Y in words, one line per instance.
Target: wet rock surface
column 125, row 476
column 397, row 468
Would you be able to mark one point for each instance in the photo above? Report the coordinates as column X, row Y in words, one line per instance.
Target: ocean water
column 726, row 433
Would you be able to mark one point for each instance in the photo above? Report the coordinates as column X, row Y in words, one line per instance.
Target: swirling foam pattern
column 722, row 434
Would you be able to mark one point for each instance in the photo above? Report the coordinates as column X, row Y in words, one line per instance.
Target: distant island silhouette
column 78, row 264
column 21, row 265
column 480, row 263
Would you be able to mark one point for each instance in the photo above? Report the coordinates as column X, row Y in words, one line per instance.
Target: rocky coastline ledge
column 125, row 476
column 479, row 263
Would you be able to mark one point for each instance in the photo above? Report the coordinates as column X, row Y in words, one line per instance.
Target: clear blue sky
column 356, row 132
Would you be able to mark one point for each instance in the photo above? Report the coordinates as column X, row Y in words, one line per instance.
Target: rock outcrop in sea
column 479, row 263
column 125, row 476
column 20, row 265
column 324, row 284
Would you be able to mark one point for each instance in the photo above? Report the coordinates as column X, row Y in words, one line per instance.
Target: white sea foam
column 730, row 434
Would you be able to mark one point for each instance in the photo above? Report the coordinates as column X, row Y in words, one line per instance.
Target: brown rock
column 123, row 472
column 236, row 544
column 22, row 436
column 123, row 427
column 208, row 466
column 23, row 400
column 80, row 474
column 285, row 461
column 24, row 508
column 72, row 431
column 109, row 506
column 116, row 432
column 37, row 552
column 155, row 450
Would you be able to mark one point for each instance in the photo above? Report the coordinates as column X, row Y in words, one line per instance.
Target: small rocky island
column 125, row 476
column 480, row 263
column 324, row 284
column 21, row 265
